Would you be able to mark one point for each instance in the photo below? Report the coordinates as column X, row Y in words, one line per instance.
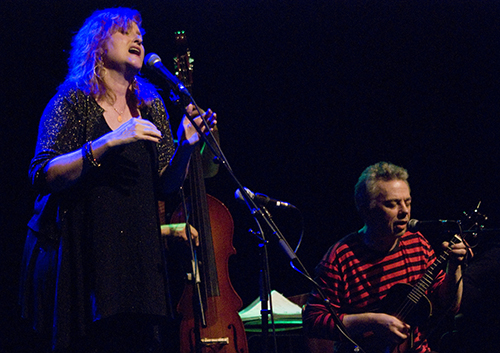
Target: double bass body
column 223, row 330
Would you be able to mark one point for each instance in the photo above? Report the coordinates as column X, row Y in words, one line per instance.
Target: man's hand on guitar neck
column 457, row 251
column 386, row 328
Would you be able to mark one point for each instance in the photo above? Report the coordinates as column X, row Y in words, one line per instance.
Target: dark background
column 308, row 93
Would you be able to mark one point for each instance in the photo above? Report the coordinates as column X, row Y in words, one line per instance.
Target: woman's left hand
column 187, row 133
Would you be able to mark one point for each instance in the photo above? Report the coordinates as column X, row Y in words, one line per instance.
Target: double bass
column 209, row 304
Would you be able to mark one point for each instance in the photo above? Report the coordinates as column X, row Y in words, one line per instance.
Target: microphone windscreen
column 412, row 225
column 152, row 59
column 239, row 196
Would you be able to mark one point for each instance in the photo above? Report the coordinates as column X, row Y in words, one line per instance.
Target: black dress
column 94, row 250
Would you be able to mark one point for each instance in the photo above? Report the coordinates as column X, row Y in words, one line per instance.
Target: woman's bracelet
column 89, row 156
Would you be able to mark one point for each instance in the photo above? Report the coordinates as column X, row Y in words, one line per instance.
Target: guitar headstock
column 472, row 223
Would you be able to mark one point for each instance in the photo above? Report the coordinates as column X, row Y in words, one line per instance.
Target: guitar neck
column 426, row 281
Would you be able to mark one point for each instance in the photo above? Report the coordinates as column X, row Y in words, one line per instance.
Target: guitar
column 409, row 303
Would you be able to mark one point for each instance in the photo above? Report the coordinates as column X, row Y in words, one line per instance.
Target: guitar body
column 396, row 304
column 416, row 315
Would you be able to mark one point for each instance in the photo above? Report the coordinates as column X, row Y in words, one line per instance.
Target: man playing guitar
column 362, row 269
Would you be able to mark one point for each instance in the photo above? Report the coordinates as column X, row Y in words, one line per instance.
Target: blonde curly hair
column 88, row 47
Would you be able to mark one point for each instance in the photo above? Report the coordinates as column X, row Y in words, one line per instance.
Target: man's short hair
column 365, row 187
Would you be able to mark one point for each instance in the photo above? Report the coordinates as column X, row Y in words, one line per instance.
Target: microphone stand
column 261, row 213
column 266, row 308
column 266, row 305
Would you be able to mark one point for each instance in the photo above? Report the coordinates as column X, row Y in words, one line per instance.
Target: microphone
column 262, row 200
column 153, row 61
column 414, row 225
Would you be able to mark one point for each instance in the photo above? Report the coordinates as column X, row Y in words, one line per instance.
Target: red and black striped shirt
column 355, row 279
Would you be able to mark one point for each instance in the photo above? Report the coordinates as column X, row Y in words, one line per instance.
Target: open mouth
column 400, row 225
column 135, row 51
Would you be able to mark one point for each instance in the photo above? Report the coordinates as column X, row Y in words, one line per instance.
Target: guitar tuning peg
column 475, row 212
